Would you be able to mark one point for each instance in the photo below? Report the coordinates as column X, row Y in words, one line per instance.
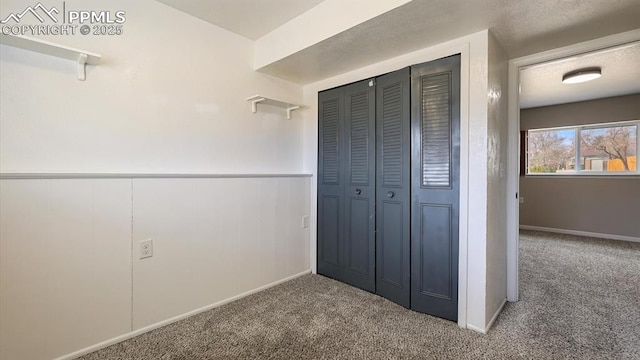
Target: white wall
column 168, row 98
column 473, row 191
column 497, row 182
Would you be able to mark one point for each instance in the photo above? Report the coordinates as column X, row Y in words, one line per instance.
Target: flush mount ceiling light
column 581, row 75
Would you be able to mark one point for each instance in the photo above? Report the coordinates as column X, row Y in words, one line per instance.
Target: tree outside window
column 609, row 148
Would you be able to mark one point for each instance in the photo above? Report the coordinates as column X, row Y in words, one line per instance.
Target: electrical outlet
column 305, row 222
column 146, row 249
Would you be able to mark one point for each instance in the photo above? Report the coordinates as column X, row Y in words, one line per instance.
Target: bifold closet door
column 388, row 185
column 393, row 186
column 346, row 184
column 435, row 131
column 360, row 197
column 330, row 182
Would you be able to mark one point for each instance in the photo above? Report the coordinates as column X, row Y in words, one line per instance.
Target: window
column 609, row 149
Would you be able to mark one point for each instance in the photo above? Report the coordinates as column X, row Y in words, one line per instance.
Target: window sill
column 587, row 175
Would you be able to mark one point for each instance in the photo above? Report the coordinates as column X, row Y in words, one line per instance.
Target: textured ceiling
column 249, row 18
column 522, row 28
column 542, row 85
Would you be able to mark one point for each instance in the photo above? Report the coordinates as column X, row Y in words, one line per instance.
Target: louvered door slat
column 330, row 143
column 392, row 135
column 436, row 130
column 360, row 139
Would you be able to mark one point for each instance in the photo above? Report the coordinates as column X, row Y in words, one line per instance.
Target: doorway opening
column 516, row 68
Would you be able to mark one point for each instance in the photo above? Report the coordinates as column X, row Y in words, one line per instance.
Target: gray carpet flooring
column 580, row 299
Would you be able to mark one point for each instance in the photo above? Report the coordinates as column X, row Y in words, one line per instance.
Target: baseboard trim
column 160, row 324
column 495, row 316
column 490, row 323
column 476, row 329
column 581, row 233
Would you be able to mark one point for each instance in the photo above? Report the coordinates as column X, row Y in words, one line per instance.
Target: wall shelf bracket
column 83, row 58
column 290, row 109
column 259, row 99
column 82, row 70
column 254, row 104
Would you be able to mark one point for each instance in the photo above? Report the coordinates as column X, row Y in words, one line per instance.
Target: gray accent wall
column 598, row 204
column 619, row 108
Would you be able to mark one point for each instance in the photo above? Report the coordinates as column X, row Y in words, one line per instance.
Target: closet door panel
column 392, row 186
column 330, row 229
column 359, row 240
column 435, row 250
column 330, row 183
column 391, row 250
column 435, row 129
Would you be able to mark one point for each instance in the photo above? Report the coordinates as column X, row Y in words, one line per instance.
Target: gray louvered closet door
column 360, row 197
column 330, row 182
column 435, row 128
column 392, row 183
column 346, row 188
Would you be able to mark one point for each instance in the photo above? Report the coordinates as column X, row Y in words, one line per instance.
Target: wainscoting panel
column 213, row 239
column 65, row 265
column 71, row 277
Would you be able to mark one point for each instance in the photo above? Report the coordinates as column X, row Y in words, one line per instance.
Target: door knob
column 358, row 191
column 390, row 194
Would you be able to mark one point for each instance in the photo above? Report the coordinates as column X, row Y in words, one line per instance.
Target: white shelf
column 259, row 99
column 45, row 47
